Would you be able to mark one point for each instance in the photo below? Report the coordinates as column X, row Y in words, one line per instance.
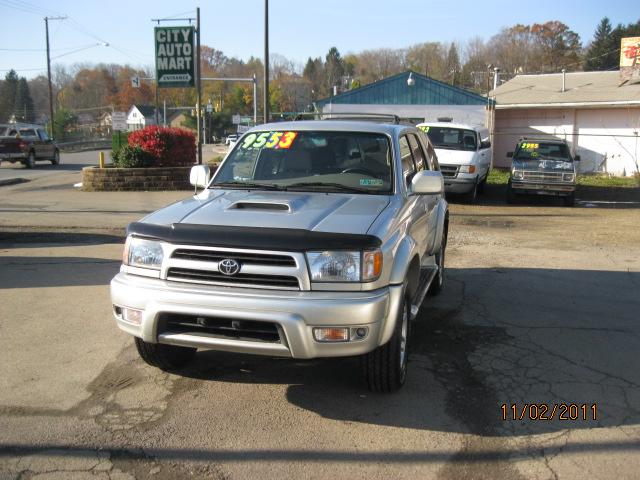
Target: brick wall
column 96, row 179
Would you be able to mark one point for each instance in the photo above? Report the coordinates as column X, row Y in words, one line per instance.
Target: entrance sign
column 175, row 56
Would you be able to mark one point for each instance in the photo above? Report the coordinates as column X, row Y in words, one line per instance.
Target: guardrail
column 84, row 145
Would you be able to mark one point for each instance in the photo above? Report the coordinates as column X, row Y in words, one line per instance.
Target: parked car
column 231, row 139
column 543, row 167
column 464, row 154
column 313, row 239
column 27, row 144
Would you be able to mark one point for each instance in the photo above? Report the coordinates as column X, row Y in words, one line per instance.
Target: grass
column 500, row 176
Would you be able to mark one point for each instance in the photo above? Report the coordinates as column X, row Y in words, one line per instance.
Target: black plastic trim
column 283, row 239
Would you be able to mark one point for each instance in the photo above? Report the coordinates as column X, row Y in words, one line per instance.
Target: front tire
column 164, row 357
column 511, row 197
column 56, row 158
column 472, row 196
column 385, row 368
column 438, row 283
column 569, row 200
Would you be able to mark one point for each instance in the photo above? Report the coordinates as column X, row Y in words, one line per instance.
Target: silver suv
column 313, row 239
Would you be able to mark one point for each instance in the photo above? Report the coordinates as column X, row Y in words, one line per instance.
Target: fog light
column 361, row 332
column 132, row 316
column 331, row 334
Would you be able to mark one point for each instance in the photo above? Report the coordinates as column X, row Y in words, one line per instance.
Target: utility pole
column 198, row 87
column 255, row 101
column 46, row 27
column 266, row 62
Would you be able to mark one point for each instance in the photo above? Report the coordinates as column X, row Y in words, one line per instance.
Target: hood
column 454, row 157
column 317, row 211
column 554, row 165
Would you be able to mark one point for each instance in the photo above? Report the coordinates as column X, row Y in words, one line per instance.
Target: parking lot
column 540, row 307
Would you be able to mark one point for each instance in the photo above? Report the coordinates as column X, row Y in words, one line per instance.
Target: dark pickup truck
column 27, row 144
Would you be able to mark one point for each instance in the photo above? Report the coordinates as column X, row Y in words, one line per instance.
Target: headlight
column 518, row 175
column 142, row 253
column 568, row 177
column 337, row 266
column 467, row 169
column 334, row 266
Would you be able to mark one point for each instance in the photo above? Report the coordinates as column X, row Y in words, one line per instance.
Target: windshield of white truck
column 542, row 151
column 452, row 138
column 309, row 161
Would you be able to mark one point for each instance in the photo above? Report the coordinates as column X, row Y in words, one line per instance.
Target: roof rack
column 350, row 116
column 550, row 138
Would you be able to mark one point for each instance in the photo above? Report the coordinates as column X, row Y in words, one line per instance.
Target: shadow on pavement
column 493, row 337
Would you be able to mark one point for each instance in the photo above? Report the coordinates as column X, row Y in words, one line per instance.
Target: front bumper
column 461, row 183
column 529, row 188
column 294, row 313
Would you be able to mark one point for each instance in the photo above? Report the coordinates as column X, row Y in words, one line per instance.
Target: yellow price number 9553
column 269, row 140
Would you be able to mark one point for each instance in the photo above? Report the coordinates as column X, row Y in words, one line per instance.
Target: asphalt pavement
column 540, row 308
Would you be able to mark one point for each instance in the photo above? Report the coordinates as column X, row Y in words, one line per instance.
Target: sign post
column 175, row 59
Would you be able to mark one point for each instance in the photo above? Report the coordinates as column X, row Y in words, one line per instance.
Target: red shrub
column 171, row 147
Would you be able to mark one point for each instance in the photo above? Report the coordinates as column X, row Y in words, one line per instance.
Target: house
column 140, row 116
column 594, row 111
column 410, row 95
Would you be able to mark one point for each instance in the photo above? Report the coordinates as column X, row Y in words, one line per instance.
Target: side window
column 43, row 135
column 408, row 167
column 418, row 153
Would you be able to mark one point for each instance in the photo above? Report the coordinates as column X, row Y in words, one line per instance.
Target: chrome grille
column 240, row 279
column 257, row 268
column 449, row 171
column 547, row 177
column 242, row 257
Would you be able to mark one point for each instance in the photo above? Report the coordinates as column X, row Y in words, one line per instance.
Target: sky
column 298, row 29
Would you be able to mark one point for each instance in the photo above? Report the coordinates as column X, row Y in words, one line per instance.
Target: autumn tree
column 453, row 65
column 514, row 50
column 559, row 47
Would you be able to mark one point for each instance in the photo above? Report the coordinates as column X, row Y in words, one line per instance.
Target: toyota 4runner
column 313, row 239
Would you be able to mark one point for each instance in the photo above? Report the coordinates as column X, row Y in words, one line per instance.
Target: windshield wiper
column 250, row 185
column 338, row 186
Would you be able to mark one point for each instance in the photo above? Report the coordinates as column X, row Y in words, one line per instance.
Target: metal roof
column 395, row 91
column 581, row 88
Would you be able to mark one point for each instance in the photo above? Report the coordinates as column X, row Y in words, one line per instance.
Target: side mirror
column 485, row 144
column 576, row 158
column 200, row 176
column 510, row 154
column 427, row 182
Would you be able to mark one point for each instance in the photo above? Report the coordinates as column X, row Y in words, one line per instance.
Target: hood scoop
column 261, row 205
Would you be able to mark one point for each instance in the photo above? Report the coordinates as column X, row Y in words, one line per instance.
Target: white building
column 599, row 117
column 140, row 116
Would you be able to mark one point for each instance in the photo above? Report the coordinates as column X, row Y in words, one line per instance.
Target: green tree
column 334, row 68
column 23, row 106
column 453, row 65
column 63, row 122
column 602, row 54
column 8, row 95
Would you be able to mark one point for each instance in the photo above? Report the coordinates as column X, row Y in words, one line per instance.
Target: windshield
column 451, row 138
column 542, row 150
column 309, row 161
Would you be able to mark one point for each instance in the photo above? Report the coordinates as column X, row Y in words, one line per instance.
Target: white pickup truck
column 313, row 239
column 464, row 152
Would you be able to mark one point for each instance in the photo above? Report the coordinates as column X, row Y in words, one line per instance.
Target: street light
column 411, row 81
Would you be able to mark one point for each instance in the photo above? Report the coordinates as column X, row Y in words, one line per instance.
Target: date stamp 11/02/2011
column 549, row 412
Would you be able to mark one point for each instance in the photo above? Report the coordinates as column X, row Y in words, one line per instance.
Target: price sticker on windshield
column 530, row 146
column 275, row 140
column 424, row 129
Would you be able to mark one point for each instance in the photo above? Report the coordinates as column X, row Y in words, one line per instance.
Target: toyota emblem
column 228, row 266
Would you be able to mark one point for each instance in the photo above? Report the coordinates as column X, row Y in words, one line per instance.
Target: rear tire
column 165, row 357
column 385, row 368
column 30, row 162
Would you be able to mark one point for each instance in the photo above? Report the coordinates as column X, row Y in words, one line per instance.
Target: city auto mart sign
column 175, row 56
